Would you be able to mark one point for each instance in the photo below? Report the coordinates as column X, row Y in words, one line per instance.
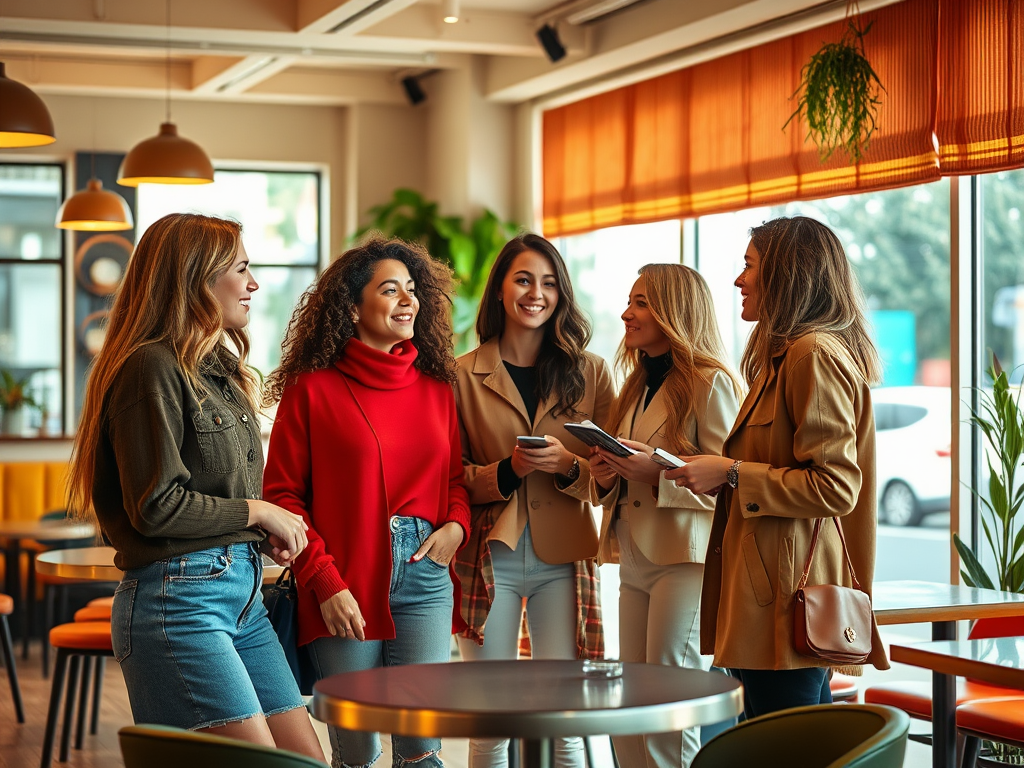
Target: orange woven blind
column 980, row 122
column 709, row 138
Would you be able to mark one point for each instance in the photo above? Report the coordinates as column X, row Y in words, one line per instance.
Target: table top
column 911, row 602
column 45, row 530
column 998, row 661
column 524, row 699
column 97, row 564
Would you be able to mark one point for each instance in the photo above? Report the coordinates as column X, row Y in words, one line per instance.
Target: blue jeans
column 194, row 642
column 769, row 690
column 550, row 592
column 421, row 601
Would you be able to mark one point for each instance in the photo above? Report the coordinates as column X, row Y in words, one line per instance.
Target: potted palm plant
column 1001, row 421
column 14, row 397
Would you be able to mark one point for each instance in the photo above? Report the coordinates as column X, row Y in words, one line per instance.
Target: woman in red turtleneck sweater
column 366, row 448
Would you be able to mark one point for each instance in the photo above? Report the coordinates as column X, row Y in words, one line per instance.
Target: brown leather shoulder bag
column 832, row 623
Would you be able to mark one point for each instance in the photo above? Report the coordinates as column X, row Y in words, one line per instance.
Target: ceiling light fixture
column 95, row 209
column 24, row 119
column 551, row 42
column 166, row 158
column 450, row 11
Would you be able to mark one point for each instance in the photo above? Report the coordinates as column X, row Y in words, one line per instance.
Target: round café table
column 97, row 564
column 535, row 701
column 13, row 532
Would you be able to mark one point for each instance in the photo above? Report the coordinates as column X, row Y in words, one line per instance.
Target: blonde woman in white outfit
column 679, row 395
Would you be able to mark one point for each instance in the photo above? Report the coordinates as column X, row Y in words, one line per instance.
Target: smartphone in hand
column 531, row 441
column 666, row 459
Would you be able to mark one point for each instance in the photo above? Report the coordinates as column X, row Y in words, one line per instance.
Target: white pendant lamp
column 95, row 209
column 24, row 119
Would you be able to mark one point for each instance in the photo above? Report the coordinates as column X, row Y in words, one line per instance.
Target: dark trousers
column 769, row 690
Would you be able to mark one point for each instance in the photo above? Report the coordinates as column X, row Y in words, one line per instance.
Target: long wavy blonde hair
column 166, row 297
column 680, row 303
column 805, row 284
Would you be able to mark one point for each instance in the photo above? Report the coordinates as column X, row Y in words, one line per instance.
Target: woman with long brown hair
column 365, row 447
column 533, row 534
column 168, row 460
column 679, row 395
column 802, row 450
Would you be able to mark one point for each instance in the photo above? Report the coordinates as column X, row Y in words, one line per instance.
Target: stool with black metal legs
column 7, row 644
column 92, row 666
column 73, row 643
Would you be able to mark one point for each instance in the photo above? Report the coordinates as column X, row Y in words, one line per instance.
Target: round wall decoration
column 100, row 262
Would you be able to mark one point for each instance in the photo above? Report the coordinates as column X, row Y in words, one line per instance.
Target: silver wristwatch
column 732, row 474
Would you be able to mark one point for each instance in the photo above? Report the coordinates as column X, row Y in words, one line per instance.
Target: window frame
column 61, row 262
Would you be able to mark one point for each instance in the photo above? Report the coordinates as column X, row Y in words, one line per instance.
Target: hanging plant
column 839, row 95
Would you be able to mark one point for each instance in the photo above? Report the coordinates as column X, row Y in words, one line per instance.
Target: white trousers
column 550, row 592
column 659, row 623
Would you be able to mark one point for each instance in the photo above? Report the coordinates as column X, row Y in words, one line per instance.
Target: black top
column 657, row 369
column 525, row 379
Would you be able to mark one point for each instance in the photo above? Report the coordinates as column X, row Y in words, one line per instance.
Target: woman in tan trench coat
column 533, row 535
column 802, row 448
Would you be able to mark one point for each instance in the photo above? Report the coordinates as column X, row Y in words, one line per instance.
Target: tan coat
column 806, row 435
column 491, row 415
column 669, row 524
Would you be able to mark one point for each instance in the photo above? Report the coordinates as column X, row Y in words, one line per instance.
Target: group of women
column 399, row 488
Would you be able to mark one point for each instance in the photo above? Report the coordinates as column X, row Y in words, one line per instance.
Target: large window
column 280, row 216
column 31, row 294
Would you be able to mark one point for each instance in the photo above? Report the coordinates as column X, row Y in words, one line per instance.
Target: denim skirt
column 194, row 642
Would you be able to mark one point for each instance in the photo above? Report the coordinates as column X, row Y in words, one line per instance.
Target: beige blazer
column 806, row 435
column 667, row 523
column 491, row 415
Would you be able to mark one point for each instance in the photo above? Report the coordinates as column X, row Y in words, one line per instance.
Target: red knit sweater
column 352, row 445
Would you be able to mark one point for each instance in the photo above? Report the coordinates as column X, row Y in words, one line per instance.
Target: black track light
column 413, row 90
column 548, row 37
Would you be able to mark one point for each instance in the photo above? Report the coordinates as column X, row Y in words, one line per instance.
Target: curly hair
column 322, row 324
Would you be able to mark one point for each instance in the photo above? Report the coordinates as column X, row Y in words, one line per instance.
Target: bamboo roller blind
column 709, row 139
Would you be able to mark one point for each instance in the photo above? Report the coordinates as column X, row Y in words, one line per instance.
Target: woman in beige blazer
column 679, row 396
column 802, row 449
column 533, row 536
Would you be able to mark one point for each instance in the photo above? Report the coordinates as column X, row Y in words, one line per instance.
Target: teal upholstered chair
column 824, row 736
column 157, row 746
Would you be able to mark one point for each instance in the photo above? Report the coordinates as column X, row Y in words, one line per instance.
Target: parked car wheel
column 900, row 506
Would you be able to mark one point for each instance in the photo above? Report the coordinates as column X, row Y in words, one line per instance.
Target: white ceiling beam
column 490, row 33
column 244, row 74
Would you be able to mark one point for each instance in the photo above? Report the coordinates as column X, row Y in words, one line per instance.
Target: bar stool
column 73, row 642
column 6, row 607
column 94, row 667
column 999, row 720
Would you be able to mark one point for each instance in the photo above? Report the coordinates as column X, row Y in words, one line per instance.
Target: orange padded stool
column 916, row 698
column 6, row 607
column 107, row 601
column 844, row 687
column 74, row 642
column 93, row 613
column 999, row 720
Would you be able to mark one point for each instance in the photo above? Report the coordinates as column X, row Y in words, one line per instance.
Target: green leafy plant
column 14, row 392
column 1001, row 421
column 470, row 253
column 839, row 95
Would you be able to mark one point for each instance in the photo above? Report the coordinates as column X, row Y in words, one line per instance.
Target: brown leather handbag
column 832, row 623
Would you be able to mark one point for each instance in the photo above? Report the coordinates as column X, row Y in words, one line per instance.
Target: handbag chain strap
column 810, row 554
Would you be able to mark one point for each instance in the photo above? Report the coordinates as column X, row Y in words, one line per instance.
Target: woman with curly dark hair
column 533, row 534
column 366, row 448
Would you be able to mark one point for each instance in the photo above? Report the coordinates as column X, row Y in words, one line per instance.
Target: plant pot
column 13, row 421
